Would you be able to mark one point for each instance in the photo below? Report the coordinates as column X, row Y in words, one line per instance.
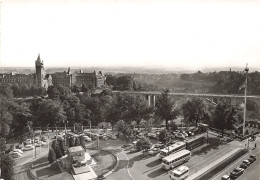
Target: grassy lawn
column 105, row 161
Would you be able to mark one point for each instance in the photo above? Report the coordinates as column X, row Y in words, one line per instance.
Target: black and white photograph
column 129, row 89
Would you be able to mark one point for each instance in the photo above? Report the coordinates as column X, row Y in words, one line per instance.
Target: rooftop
column 75, row 149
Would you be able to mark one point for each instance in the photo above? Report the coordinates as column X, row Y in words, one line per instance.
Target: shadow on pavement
column 157, row 173
column 154, row 163
column 47, row 172
column 122, row 164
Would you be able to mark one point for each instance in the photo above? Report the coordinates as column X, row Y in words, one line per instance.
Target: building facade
column 38, row 79
column 41, row 79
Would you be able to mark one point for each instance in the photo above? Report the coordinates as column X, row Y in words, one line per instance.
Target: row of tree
column 227, row 82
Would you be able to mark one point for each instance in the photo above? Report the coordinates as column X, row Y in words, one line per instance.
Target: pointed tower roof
column 39, row 58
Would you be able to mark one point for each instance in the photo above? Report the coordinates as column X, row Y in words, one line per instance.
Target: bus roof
column 194, row 138
column 180, row 170
column 176, row 155
column 171, row 147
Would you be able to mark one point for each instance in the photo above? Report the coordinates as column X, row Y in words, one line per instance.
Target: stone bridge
column 213, row 98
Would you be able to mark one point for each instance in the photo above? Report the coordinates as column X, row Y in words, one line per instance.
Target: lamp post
column 246, row 71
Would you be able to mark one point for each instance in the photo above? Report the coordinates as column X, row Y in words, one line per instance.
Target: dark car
column 101, row 177
column 252, row 158
column 243, row 165
column 236, row 172
column 246, row 162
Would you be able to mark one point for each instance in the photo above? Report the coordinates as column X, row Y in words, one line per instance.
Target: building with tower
column 38, row 79
column 41, row 79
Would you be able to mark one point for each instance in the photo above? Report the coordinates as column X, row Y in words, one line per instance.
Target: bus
column 176, row 159
column 180, row 173
column 172, row 149
column 194, row 142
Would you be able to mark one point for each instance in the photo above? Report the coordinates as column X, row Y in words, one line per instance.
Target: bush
column 247, row 132
column 62, row 145
column 164, row 136
column 7, row 163
column 82, row 142
column 55, row 146
column 51, row 155
column 143, row 144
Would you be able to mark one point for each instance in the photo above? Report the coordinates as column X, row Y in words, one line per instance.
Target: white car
column 179, row 135
column 28, row 147
column 36, row 140
column 87, row 138
column 15, row 154
column 18, row 150
column 28, row 141
column 154, row 151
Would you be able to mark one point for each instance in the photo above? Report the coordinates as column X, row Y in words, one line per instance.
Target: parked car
column 133, row 150
column 44, row 139
column 112, row 136
column 243, row 165
column 159, row 145
column 252, row 158
column 236, row 172
column 154, row 151
column 18, row 150
column 190, row 133
column 36, row 139
column 40, row 143
column 28, row 141
column 225, row 177
column 86, row 138
column 101, row 177
column 27, row 147
column 179, row 135
column 246, row 162
column 185, row 134
column 15, row 154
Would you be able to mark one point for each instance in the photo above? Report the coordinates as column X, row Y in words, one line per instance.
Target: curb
column 29, row 172
column 115, row 167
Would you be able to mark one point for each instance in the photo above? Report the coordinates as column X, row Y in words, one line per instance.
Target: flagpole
column 246, row 70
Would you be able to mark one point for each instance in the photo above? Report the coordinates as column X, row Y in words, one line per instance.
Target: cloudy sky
column 157, row 33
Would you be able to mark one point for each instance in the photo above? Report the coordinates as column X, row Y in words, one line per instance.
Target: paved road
column 23, row 163
column 122, row 171
column 252, row 172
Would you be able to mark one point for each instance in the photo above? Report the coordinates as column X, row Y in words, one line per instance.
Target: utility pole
column 246, row 70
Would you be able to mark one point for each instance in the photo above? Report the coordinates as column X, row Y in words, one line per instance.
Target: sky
column 153, row 33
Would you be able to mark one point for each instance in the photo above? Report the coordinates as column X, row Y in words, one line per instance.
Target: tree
column 195, row 110
column 82, row 142
column 53, row 92
column 224, row 116
column 71, row 141
column 138, row 110
column 51, row 155
column 84, row 88
column 55, row 146
column 164, row 136
column 61, row 143
column 165, row 107
column 143, row 144
column 50, row 112
column 76, row 88
column 6, row 91
column 7, row 163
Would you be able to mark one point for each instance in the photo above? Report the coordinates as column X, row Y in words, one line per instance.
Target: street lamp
column 246, row 71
